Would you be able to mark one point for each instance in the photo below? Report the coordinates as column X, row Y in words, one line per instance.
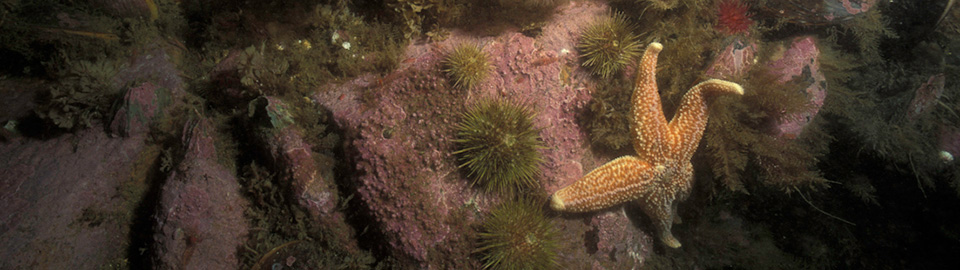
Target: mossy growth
column 428, row 18
column 741, row 147
column 660, row 4
column 494, row 17
column 281, row 225
column 517, row 235
column 607, row 116
column 608, row 45
column 82, row 96
column 466, row 65
column 867, row 30
column 531, row 4
column 687, row 32
column 499, row 146
column 327, row 42
column 874, row 105
column 80, row 46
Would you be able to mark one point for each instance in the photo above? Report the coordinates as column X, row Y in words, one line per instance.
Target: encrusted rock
column 309, row 175
column 200, row 223
column 801, row 64
column 62, row 201
column 139, row 107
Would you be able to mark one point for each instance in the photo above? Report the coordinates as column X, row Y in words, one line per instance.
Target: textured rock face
column 309, row 175
column 68, row 202
column 139, row 107
column 200, row 222
column 403, row 141
column 800, row 63
column 60, row 200
column 734, row 61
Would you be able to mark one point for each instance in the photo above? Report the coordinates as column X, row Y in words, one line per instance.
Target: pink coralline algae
column 139, row 107
column 401, row 128
column 734, row 61
column 309, row 175
column 408, row 177
column 200, row 223
column 618, row 236
column 801, row 64
column 46, row 190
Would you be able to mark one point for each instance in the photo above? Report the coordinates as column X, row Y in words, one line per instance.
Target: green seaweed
column 332, row 43
column 741, row 148
column 82, row 95
column 276, row 220
column 607, row 116
column 425, row 17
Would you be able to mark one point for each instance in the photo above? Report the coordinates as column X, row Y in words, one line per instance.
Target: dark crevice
column 369, row 236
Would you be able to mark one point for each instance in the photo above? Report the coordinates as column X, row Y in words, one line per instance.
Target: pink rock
column 734, row 61
column 310, row 176
column 227, row 79
column 152, row 64
column 800, row 63
column 620, row 240
column 403, row 136
column 200, row 224
column 139, row 107
column 925, row 96
column 55, row 194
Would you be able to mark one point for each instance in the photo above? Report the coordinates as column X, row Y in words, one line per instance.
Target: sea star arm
column 686, row 128
column 621, row 180
column 662, row 197
column 649, row 126
column 662, row 209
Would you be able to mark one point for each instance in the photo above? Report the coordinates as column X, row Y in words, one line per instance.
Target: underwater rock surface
column 404, row 149
column 308, row 175
column 139, row 107
column 800, row 64
column 200, row 222
column 63, row 200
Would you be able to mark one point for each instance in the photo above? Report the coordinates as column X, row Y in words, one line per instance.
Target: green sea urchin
column 608, row 44
column 517, row 235
column 498, row 145
column 466, row 65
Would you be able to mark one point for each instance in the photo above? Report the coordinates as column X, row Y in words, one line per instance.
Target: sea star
column 660, row 175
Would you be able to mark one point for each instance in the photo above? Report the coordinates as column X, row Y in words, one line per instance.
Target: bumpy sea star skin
column 661, row 174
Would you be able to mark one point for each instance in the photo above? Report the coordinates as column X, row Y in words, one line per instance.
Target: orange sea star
column 660, row 175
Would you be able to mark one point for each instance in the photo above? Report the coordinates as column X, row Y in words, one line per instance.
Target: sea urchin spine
column 466, row 65
column 499, row 145
column 608, row 45
column 517, row 235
